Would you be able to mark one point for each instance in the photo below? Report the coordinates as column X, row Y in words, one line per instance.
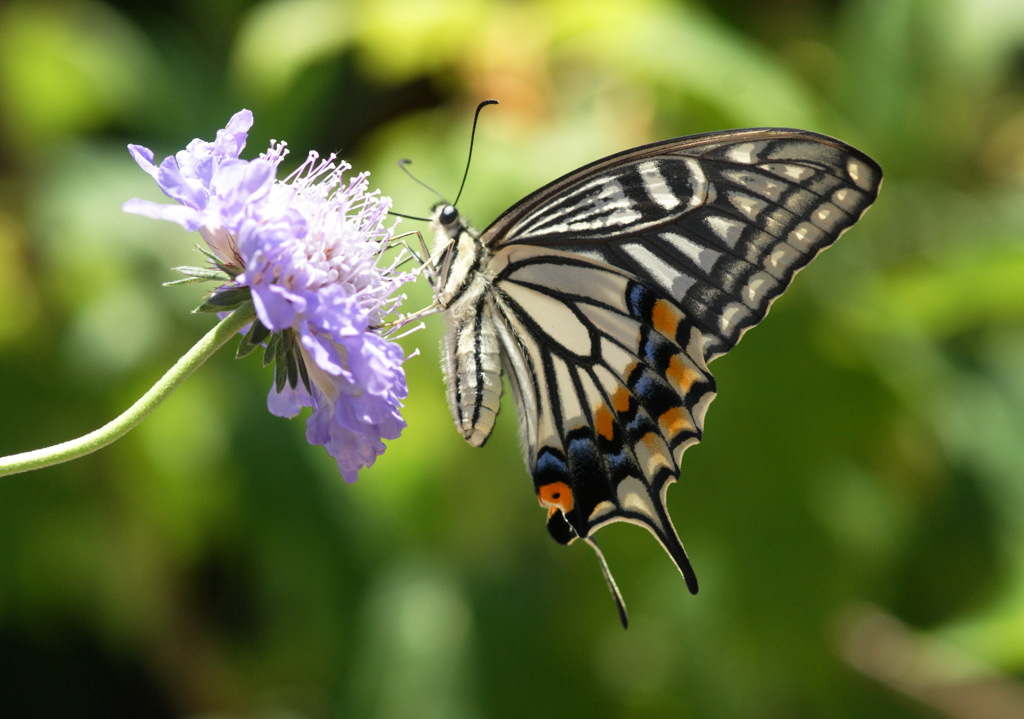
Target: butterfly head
column 446, row 221
column 459, row 252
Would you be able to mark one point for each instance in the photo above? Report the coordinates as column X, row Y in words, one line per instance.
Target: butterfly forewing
column 604, row 295
column 721, row 222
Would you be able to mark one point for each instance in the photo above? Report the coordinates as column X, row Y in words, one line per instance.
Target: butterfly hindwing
column 613, row 375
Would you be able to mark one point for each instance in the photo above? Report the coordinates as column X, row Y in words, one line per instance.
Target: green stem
column 117, row 428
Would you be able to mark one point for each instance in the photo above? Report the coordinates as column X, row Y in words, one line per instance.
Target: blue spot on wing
column 640, row 301
column 584, row 459
column 654, row 393
column 550, row 467
column 656, row 351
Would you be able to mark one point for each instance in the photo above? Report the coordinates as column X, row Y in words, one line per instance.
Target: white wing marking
column 555, row 319
column 726, row 229
column 590, row 282
column 806, row 237
column 634, row 496
column 565, row 390
column 656, row 187
column 703, row 257
column 779, row 261
column 618, row 359
column 757, row 289
column 743, row 153
column 673, row 282
column 624, row 330
column 757, row 183
column 798, row 173
column 749, row 205
column 733, row 315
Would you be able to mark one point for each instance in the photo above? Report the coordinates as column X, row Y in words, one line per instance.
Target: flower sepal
column 252, row 340
column 289, row 367
column 198, row 274
column 225, row 300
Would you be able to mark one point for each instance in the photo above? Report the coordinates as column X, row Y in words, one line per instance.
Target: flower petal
column 184, row 216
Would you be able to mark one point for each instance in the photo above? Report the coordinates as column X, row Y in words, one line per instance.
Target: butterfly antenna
column 403, row 165
column 620, row 603
column 408, row 217
column 472, row 137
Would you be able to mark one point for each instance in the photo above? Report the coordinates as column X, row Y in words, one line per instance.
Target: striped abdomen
column 472, row 359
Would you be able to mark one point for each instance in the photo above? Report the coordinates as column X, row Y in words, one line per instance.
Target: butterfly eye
column 449, row 216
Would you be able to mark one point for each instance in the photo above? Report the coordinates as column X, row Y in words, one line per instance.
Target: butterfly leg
column 433, row 308
column 422, row 256
column 427, row 267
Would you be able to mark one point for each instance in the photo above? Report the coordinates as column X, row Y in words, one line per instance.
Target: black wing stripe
column 551, row 385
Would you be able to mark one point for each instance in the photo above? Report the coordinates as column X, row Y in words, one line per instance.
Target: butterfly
column 604, row 295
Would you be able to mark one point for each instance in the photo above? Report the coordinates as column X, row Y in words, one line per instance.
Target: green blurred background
column 855, row 513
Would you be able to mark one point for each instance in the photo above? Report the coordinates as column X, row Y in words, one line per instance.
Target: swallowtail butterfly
column 604, row 295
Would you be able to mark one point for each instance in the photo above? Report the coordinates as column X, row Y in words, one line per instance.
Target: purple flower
column 307, row 249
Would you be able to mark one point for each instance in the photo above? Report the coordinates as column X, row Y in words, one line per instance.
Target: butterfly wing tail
column 620, row 603
column 669, row 540
column 667, row 536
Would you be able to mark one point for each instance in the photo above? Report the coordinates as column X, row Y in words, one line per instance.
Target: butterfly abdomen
column 473, row 361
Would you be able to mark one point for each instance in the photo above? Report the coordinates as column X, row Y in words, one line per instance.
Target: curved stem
column 117, row 428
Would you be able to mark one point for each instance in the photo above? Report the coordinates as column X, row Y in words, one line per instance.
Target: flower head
column 306, row 249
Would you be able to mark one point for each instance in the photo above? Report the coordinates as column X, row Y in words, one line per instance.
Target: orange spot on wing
column 620, row 399
column 681, row 374
column 676, row 420
column 603, row 422
column 653, row 442
column 556, row 495
column 665, row 318
column 656, row 454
